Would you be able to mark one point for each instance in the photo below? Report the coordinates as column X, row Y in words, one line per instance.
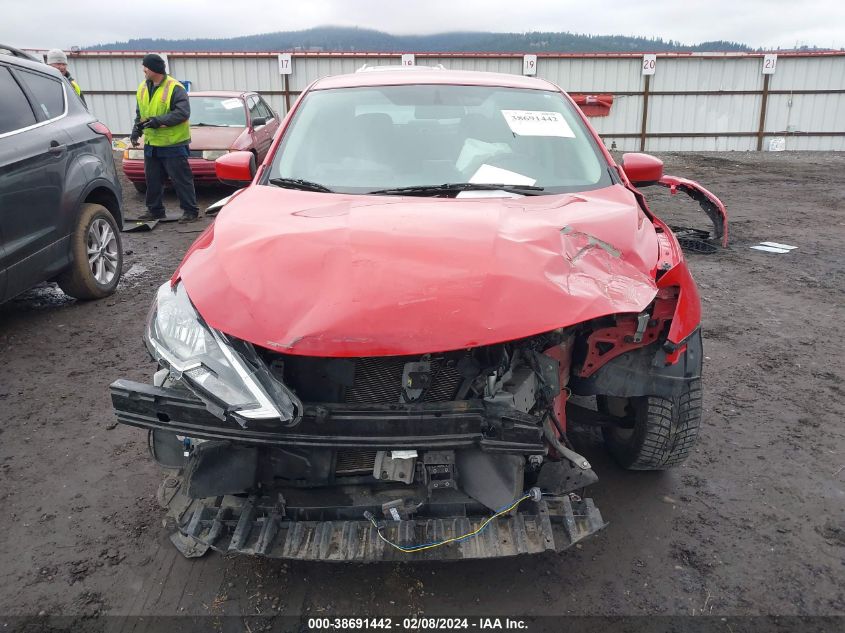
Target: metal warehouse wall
column 693, row 102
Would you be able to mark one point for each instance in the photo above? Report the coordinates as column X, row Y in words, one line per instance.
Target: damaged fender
column 713, row 207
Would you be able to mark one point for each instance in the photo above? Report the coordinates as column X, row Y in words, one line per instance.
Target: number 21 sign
column 770, row 62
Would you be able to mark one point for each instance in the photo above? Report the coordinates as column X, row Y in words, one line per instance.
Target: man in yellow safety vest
column 58, row 60
column 161, row 115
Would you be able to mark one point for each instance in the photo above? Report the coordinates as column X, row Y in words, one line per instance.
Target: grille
column 351, row 463
column 379, row 380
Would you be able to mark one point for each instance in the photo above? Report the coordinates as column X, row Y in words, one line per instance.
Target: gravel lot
column 753, row 523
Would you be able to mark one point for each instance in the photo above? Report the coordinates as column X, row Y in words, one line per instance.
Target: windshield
column 357, row 140
column 218, row 111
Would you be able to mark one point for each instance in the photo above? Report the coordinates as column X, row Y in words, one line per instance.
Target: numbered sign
column 649, row 64
column 770, row 62
column 408, row 59
column 529, row 65
column 166, row 63
column 285, row 65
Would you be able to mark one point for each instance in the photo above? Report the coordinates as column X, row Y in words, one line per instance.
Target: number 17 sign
column 285, row 64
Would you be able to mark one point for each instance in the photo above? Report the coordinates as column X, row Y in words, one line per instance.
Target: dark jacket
column 81, row 94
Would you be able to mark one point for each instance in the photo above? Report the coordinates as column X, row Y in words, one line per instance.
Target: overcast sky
column 758, row 23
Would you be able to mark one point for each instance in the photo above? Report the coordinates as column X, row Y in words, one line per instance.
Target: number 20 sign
column 649, row 64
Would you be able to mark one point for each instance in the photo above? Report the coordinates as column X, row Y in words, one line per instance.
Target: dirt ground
column 753, row 523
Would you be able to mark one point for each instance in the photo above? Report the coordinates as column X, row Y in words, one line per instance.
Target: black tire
column 661, row 431
column 80, row 280
column 140, row 187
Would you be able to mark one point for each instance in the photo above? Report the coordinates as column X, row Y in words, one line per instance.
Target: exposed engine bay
column 435, row 441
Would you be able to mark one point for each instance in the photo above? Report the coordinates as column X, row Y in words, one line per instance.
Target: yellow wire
column 421, row 548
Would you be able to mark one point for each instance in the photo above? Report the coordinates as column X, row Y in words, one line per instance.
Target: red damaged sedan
column 221, row 122
column 370, row 354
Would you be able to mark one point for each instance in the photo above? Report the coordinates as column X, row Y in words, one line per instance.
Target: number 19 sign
column 649, row 64
column 529, row 65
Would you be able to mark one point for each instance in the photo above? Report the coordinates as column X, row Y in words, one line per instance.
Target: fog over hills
column 330, row 38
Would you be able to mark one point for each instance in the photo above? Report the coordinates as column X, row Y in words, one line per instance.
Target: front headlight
column 214, row 154
column 134, row 154
column 178, row 338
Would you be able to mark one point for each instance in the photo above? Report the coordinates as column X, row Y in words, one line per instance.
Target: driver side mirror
column 235, row 168
column 642, row 169
column 259, row 121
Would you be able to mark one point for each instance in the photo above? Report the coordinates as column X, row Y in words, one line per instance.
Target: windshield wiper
column 528, row 190
column 298, row 183
column 208, row 125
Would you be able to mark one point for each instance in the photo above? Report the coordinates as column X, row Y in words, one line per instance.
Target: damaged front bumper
column 258, row 526
column 291, row 492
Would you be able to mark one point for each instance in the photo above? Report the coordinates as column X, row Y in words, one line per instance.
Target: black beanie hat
column 154, row 62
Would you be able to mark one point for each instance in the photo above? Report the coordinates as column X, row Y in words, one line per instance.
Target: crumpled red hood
column 332, row 275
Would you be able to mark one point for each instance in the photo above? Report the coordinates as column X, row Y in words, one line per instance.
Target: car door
column 272, row 120
column 32, row 175
column 262, row 139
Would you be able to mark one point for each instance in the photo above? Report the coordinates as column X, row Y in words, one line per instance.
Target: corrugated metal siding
column 678, row 75
column 709, row 114
column 712, row 144
column 625, row 116
column 308, row 69
column 809, row 73
column 703, row 113
column 107, row 73
column 229, row 74
column 591, row 75
column 508, row 65
column 806, row 113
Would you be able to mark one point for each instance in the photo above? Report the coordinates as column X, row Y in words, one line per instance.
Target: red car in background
column 221, row 122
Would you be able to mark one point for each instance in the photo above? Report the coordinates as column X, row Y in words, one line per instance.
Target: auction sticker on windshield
column 537, row 123
column 231, row 104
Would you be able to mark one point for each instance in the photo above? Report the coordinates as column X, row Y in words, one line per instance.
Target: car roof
column 5, row 49
column 26, row 62
column 437, row 76
column 220, row 93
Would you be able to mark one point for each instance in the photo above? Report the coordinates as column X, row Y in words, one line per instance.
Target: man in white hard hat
column 58, row 60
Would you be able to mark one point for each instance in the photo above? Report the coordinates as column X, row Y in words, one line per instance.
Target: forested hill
column 354, row 39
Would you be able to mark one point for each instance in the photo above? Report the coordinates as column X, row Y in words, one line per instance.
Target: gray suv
column 60, row 197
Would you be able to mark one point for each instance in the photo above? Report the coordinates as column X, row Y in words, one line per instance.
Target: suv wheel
column 97, row 255
column 656, row 432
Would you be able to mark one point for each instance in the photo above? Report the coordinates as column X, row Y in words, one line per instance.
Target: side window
column 49, row 93
column 15, row 112
column 265, row 110
column 252, row 102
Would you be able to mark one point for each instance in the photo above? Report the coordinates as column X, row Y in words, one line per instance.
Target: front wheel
column 97, row 255
column 656, row 432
